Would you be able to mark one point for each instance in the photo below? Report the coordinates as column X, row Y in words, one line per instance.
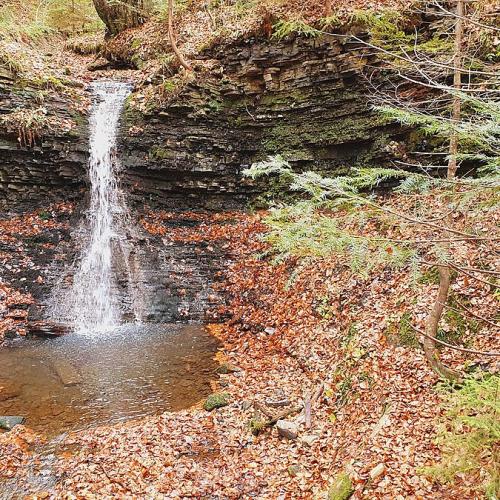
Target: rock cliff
column 304, row 98
column 53, row 164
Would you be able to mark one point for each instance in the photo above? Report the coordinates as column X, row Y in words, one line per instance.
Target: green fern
column 283, row 29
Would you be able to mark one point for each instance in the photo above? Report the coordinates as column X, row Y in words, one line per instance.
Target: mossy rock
column 226, row 368
column 341, row 488
column 216, row 400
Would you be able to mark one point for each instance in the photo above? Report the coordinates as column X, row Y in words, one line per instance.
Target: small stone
column 216, row 400
column 287, row 429
column 278, row 401
column 226, row 368
column 309, row 439
column 341, row 488
column 98, row 64
column 269, row 330
column 377, row 471
column 9, row 422
column 246, row 405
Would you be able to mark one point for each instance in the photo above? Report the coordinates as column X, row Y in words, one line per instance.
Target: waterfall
column 92, row 302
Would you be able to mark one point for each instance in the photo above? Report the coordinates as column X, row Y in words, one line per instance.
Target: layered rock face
column 306, row 99
column 54, row 164
column 303, row 98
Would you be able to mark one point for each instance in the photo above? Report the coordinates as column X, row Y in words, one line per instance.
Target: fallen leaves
column 290, row 327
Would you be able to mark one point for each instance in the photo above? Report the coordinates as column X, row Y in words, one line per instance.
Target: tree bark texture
column 119, row 15
column 171, row 37
column 432, row 324
column 457, row 84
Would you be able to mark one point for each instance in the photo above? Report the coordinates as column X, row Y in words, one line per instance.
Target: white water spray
column 93, row 303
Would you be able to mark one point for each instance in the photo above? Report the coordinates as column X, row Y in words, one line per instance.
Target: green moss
column 47, row 82
column 351, row 334
column 131, row 114
column 406, row 334
column 460, row 327
column 436, row 45
column 45, row 215
column 214, row 105
column 276, row 189
column 287, row 137
column 256, row 425
column 136, row 43
column 470, row 435
column 429, row 277
column 325, row 308
column 169, row 85
column 137, row 61
column 159, row 153
column 400, row 332
column 341, row 488
column 283, row 99
column 216, row 400
column 385, row 27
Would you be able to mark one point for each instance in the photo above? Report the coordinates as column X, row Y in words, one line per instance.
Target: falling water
column 93, row 305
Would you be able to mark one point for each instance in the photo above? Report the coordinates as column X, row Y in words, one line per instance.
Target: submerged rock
column 9, row 390
column 67, row 372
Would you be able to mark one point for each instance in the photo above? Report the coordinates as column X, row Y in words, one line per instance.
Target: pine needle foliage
column 302, row 232
column 306, row 229
column 470, row 440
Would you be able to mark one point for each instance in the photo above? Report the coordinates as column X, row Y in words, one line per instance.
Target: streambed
column 74, row 382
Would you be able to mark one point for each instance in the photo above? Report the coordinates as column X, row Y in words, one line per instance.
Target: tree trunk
column 432, row 324
column 171, row 36
column 457, row 84
column 118, row 15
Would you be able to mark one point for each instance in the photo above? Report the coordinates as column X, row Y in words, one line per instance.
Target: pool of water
column 74, row 382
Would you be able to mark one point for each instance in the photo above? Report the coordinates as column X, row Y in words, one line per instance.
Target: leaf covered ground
column 296, row 331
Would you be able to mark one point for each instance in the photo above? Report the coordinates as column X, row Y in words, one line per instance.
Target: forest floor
column 298, row 332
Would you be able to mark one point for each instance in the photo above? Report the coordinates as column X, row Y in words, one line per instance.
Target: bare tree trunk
column 432, row 324
column 171, row 36
column 118, row 15
column 457, row 83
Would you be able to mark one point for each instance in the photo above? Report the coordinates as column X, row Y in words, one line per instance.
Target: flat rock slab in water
column 9, row 390
column 67, row 372
column 47, row 329
column 8, row 423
